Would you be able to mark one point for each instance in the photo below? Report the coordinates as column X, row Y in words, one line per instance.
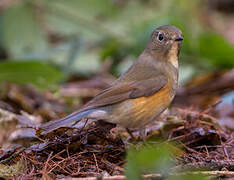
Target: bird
column 140, row 94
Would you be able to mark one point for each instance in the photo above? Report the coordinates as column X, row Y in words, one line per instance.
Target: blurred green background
column 43, row 42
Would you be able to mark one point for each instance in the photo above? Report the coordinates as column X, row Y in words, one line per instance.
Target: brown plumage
column 144, row 91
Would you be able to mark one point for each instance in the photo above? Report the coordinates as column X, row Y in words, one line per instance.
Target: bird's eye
column 160, row 37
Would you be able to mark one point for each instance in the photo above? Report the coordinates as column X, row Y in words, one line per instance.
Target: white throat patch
column 173, row 55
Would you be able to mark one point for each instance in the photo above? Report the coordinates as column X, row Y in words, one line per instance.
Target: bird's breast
column 136, row 113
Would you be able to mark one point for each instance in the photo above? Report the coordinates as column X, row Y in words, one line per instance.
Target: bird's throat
column 173, row 55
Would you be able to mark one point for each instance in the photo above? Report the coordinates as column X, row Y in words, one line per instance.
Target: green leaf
column 217, row 50
column 22, row 33
column 148, row 159
column 34, row 72
column 87, row 18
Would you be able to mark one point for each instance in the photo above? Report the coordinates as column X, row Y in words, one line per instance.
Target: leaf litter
column 97, row 149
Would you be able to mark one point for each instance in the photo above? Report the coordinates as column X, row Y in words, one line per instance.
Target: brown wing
column 116, row 93
column 127, row 90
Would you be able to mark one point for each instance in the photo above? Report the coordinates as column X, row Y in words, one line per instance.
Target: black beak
column 179, row 38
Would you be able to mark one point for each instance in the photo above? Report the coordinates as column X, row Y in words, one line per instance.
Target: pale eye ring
column 160, row 37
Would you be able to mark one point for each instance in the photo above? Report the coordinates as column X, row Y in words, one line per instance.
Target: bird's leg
column 82, row 124
column 86, row 120
column 143, row 134
column 130, row 133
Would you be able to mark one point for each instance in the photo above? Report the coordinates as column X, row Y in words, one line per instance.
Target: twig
column 13, row 155
column 47, row 162
column 212, row 164
column 159, row 176
column 212, row 173
column 212, row 106
column 120, row 177
column 95, row 159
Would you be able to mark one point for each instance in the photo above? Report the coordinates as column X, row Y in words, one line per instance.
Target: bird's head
column 165, row 44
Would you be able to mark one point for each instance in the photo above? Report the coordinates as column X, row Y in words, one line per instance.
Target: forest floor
column 198, row 121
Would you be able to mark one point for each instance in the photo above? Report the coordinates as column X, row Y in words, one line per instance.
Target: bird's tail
column 72, row 118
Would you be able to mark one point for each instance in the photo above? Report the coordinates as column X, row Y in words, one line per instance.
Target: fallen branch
column 211, row 164
column 159, row 176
